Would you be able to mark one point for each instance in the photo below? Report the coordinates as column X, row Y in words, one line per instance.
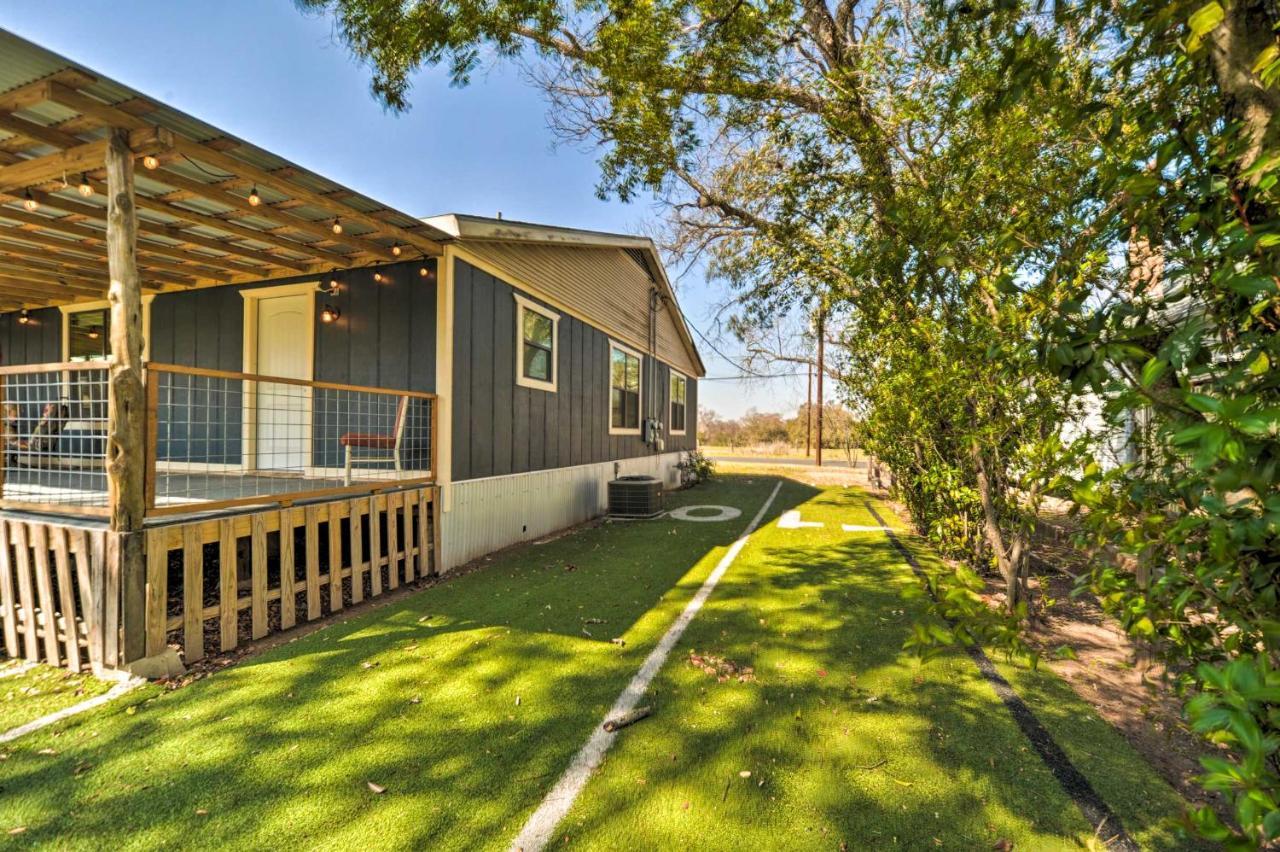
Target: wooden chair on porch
column 376, row 441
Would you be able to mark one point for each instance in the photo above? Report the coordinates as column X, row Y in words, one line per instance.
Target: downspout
column 655, row 299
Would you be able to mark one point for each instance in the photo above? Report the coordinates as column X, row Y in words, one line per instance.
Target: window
column 624, row 391
column 679, row 387
column 88, row 335
column 537, row 333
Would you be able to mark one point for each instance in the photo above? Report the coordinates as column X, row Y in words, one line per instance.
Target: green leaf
column 1203, row 21
column 1204, row 404
column 1152, row 371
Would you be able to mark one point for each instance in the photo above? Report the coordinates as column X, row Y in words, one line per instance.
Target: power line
column 751, row 376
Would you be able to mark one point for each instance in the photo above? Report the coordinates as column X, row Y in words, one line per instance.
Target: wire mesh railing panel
column 53, row 427
column 234, row 438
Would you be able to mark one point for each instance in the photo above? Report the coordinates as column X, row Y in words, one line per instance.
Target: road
column 828, row 461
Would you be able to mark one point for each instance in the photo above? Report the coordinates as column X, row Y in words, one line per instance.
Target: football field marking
column 543, row 821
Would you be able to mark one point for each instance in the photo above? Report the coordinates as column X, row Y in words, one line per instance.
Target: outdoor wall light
column 329, row 314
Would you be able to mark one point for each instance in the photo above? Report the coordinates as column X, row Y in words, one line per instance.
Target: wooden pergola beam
column 27, row 287
column 265, row 211
column 173, row 232
column 262, row 177
column 175, row 273
column 94, row 265
column 98, row 236
column 203, row 151
column 18, row 267
column 87, row 155
column 284, row 244
column 38, row 132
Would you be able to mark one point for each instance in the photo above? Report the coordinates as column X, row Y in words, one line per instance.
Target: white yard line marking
column 542, row 823
column 45, row 721
column 791, row 521
column 863, row 528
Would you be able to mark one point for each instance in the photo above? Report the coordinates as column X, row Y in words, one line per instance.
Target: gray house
column 338, row 397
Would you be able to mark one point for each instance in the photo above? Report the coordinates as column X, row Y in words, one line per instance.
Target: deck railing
column 214, row 439
column 53, row 422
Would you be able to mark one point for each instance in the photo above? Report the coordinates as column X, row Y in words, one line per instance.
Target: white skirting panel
column 488, row 514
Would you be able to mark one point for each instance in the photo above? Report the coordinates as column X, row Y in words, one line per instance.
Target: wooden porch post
column 126, row 410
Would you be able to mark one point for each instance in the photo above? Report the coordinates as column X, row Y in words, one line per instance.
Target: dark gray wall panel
column 37, row 342
column 385, row 338
column 500, row 427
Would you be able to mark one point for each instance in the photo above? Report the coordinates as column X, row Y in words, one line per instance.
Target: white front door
column 283, row 411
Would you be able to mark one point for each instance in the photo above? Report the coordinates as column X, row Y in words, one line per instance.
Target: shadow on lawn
column 280, row 747
column 878, row 746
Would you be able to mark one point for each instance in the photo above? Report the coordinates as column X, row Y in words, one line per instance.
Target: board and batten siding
column 384, row 338
column 37, row 342
column 501, row 428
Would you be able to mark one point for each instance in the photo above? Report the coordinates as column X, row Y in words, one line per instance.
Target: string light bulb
column 254, row 198
column 395, row 250
column 333, row 283
column 24, row 318
column 151, row 162
column 337, row 226
column 93, row 334
column 379, row 277
column 329, row 314
column 84, row 188
column 30, row 203
column 423, row 271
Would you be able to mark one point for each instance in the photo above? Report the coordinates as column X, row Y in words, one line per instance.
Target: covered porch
column 148, row 501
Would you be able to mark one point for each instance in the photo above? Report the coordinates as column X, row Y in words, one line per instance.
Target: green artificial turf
column 846, row 738
column 41, row 690
column 466, row 701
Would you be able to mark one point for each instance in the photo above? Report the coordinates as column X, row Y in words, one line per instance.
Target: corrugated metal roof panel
column 604, row 286
column 23, row 63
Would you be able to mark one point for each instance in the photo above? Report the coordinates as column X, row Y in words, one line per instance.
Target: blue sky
column 269, row 74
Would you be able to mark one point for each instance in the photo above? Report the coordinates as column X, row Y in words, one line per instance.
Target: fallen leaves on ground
column 721, row 668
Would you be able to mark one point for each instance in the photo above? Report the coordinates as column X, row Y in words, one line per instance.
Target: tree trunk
column 1234, row 46
column 126, row 405
column 1007, row 559
column 126, row 409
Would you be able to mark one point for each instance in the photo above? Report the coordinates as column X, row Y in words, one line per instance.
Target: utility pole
column 821, row 347
column 808, row 414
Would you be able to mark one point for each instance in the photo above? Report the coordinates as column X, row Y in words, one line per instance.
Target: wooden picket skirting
column 54, row 595
column 233, row 564
column 62, row 603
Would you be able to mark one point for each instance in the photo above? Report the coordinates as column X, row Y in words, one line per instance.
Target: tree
column 980, row 185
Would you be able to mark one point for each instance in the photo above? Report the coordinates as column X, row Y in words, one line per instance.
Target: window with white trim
column 624, row 391
column 89, row 334
column 537, row 335
column 679, row 389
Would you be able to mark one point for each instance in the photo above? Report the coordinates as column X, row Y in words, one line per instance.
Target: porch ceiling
column 196, row 223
